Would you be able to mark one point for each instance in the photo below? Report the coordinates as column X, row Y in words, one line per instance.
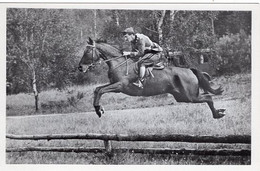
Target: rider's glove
column 126, row 53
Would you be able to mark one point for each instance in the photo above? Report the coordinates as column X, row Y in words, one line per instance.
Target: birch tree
column 41, row 43
column 160, row 23
column 23, row 35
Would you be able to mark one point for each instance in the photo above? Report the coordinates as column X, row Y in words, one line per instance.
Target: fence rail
column 183, row 151
column 243, row 139
column 107, row 138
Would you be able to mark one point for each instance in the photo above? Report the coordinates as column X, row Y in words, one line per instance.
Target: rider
column 143, row 47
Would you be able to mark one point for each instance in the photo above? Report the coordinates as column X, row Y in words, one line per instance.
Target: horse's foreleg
column 217, row 113
column 99, row 109
column 99, row 91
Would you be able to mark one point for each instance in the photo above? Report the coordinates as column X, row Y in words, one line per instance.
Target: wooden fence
column 107, row 138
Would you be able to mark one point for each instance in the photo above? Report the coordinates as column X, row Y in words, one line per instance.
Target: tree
column 232, row 22
column 46, row 44
column 42, row 43
column 24, row 36
column 159, row 25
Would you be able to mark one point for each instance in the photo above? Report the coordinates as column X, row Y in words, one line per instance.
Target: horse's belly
column 142, row 92
column 151, row 87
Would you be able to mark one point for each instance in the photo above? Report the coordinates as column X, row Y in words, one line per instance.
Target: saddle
column 149, row 69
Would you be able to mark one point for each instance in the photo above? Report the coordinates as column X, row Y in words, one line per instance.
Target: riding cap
column 129, row 30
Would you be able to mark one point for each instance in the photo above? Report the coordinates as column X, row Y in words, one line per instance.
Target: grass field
column 52, row 101
column 130, row 115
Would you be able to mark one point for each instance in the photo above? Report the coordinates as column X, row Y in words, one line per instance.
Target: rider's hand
column 126, row 53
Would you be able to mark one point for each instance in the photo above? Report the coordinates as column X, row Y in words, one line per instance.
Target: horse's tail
column 204, row 82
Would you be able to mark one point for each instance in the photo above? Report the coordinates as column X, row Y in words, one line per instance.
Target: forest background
column 44, row 46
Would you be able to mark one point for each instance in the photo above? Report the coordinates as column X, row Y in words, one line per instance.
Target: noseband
column 93, row 62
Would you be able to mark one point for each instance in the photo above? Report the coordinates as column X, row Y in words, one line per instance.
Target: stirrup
column 138, row 83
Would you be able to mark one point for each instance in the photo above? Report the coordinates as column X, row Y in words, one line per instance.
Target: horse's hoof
column 221, row 110
column 99, row 114
column 218, row 116
column 220, row 113
column 102, row 111
column 99, row 110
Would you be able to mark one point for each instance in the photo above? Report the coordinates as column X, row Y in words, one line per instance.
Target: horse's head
column 90, row 58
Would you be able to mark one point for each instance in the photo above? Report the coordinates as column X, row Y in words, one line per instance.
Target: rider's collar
column 135, row 39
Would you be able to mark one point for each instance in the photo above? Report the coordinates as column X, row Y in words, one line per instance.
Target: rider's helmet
column 129, row 30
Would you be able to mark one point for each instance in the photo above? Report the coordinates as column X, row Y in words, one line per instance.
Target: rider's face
column 128, row 37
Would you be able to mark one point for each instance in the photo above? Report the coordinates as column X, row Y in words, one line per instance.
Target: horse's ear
column 90, row 41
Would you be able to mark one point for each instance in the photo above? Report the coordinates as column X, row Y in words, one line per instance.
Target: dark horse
column 182, row 83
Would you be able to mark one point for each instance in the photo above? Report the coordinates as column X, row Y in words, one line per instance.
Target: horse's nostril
column 80, row 68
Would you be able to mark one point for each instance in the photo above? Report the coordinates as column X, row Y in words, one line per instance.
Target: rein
column 126, row 61
column 107, row 60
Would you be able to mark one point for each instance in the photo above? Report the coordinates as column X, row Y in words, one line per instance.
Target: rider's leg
column 148, row 59
column 139, row 83
column 142, row 72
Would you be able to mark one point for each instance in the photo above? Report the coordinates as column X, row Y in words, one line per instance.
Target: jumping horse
column 183, row 83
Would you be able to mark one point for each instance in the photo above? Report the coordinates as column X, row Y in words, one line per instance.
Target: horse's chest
column 113, row 77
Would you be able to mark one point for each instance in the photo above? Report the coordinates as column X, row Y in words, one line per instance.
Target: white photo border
column 254, row 7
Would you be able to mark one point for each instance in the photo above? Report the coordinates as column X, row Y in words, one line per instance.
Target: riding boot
column 139, row 83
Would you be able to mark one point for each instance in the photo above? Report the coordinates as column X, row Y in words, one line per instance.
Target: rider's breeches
column 142, row 71
column 149, row 59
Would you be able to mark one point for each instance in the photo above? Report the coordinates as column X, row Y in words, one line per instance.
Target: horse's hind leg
column 217, row 113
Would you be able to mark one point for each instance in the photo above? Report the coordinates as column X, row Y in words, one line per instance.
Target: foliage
column 190, row 27
column 235, row 51
column 50, row 42
column 41, row 40
column 232, row 22
column 73, row 100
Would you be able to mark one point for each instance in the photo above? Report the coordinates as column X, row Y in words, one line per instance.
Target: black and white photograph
column 129, row 85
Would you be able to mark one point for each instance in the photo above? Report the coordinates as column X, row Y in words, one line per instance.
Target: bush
column 235, row 53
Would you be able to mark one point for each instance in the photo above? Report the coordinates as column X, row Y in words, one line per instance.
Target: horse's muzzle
column 85, row 68
column 80, row 68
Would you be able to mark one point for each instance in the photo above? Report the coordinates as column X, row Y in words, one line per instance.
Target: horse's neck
column 116, row 62
column 112, row 59
column 118, row 65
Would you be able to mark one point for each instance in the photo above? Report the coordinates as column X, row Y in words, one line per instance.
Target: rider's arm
column 138, row 49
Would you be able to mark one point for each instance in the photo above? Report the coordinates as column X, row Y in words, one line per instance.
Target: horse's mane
column 107, row 48
column 100, row 40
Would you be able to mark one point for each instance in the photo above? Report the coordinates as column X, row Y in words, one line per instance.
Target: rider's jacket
column 142, row 45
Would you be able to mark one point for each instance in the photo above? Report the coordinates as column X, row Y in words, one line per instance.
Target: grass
column 52, row 101
column 122, row 159
column 155, row 115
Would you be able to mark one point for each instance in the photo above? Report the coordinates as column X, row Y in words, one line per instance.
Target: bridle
column 93, row 63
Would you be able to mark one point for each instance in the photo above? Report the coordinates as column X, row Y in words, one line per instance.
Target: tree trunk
column 160, row 31
column 95, row 23
column 35, row 92
column 172, row 17
column 116, row 17
column 212, row 25
column 81, row 35
column 30, row 61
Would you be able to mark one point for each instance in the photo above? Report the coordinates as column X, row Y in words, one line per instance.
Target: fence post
column 108, row 147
